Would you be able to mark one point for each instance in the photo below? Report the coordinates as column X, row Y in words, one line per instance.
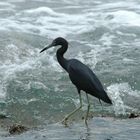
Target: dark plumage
column 84, row 79
column 80, row 75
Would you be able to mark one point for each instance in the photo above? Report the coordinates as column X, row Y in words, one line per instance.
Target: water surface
column 103, row 34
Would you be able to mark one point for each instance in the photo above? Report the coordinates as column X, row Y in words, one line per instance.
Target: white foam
column 6, row 4
column 63, row 24
column 2, row 91
column 13, row 60
column 8, row 24
column 45, row 21
column 124, row 17
column 42, row 10
column 107, row 39
column 116, row 92
column 52, row 62
column 88, row 58
column 115, row 5
column 15, row 1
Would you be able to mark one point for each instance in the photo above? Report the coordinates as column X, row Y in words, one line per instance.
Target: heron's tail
column 109, row 101
column 106, row 98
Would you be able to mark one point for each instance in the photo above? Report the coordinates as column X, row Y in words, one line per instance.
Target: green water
column 36, row 91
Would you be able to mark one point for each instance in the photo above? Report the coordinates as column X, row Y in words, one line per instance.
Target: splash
column 115, row 91
column 88, row 58
column 123, row 96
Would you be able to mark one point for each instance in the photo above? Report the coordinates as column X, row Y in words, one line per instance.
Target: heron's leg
column 86, row 117
column 101, row 105
column 69, row 115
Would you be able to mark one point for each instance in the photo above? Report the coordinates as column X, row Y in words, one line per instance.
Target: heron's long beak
column 49, row 46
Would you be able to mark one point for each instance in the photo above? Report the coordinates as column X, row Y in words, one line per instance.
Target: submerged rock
column 17, row 129
column 132, row 115
column 2, row 116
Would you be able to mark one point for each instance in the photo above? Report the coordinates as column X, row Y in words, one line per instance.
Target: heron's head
column 56, row 42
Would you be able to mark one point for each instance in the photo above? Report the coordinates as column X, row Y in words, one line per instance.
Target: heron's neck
column 60, row 56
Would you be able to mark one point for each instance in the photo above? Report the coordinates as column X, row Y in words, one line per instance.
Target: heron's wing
column 83, row 77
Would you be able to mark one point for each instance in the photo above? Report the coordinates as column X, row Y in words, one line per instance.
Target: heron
column 80, row 75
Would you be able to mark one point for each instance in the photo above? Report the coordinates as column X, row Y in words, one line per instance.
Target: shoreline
column 99, row 128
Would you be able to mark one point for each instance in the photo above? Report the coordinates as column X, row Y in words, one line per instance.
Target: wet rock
column 17, row 129
column 2, row 116
column 132, row 115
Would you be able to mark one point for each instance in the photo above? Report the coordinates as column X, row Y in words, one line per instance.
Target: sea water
column 103, row 34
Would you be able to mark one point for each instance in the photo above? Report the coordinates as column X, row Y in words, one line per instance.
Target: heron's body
column 80, row 74
column 84, row 79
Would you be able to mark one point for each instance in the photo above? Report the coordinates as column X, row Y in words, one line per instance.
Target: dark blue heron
column 80, row 75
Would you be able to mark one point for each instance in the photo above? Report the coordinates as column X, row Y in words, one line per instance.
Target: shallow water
column 102, row 34
column 98, row 128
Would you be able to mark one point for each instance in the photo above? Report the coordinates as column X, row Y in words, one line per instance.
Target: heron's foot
column 86, row 122
column 64, row 121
